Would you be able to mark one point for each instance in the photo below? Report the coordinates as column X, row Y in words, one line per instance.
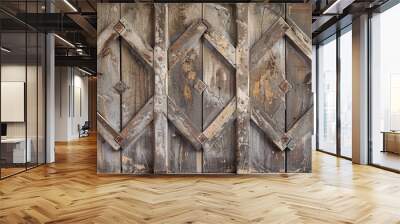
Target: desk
column 391, row 141
column 13, row 150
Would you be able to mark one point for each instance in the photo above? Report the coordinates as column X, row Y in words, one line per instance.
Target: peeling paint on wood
column 205, row 88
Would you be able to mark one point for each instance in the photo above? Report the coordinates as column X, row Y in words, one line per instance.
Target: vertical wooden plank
column 219, row 77
column 299, row 99
column 242, row 89
column 265, row 80
column 182, row 156
column 160, row 90
column 137, row 157
column 108, row 100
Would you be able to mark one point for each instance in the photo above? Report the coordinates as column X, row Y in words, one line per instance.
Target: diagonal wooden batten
column 261, row 48
column 299, row 39
column 135, row 127
column 222, row 45
column 214, row 130
column 302, row 127
column 107, row 35
column 226, row 115
column 107, row 132
column 142, row 49
column 183, row 124
column 266, row 124
column 178, row 50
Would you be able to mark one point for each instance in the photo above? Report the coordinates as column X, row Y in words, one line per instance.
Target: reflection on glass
column 41, row 98
column 385, row 88
column 14, row 153
column 23, row 91
column 327, row 96
column 346, row 93
column 31, row 100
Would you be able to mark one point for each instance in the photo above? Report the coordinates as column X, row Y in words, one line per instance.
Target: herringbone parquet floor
column 71, row 192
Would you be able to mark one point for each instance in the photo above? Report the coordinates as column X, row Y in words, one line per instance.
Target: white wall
column 33, row 126
column 314, row 90
column 17, row 73
column 70, row 84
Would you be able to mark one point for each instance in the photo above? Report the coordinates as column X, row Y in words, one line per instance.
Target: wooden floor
column 71, row 192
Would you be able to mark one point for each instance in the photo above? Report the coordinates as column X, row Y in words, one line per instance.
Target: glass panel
column 346, row 93
column 32, row 89
column 31, row 99
column 327, row 96
column 41, row 98
column 385, row 89
column 13, row 90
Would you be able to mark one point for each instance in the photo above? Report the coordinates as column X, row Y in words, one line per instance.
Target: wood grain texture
column 134, row 129
column 140, row 47
column 137, row 156
column 242, row 90
column 160, row 89
column 179, row 49
column 184, row 71
column 183, row 123
column 267, row 125
column 104, row 38
column 267, row 27
column 226, row 87
column 299, row 98
column 222, row 45
column 219, row 100
column 70, row 191
column 109, row 134
column 108, row 99
column 301, row 40
column 269, row 38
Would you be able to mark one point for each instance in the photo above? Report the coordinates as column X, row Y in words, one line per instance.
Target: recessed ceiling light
column 70, row 5
column 5, row 50
column 65, row 41
column 337, row 7
column 84, row 71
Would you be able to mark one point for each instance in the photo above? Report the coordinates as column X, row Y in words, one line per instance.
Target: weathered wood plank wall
column 204, row 88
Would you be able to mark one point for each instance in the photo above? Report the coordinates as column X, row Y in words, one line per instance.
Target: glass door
column 345, row 92
column 326, row 131
column 385, row 90
column 22, row 77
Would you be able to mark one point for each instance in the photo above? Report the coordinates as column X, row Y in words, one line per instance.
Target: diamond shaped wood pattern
column 212, row 114
column 200, row 86
column 120, row 87
column 285, row 86
column 119, row 27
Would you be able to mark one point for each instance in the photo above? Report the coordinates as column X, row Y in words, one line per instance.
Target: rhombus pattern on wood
column 204, row 88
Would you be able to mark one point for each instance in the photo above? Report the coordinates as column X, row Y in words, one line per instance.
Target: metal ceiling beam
column 84, row 24
column 49, row 22
column 79, row 61
column 337, row 7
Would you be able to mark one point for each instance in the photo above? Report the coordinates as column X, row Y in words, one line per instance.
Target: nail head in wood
column 119, row 27
column 120, row 87
column 200, row 86
column 285, row 86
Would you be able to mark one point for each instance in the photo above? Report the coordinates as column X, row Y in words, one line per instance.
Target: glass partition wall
column 327, row 78
column 385, row 89
column 22, row 77
column 345, row 91
column 334, row 94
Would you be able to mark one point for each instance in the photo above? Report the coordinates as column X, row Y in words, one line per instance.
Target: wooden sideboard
column 391, row 141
